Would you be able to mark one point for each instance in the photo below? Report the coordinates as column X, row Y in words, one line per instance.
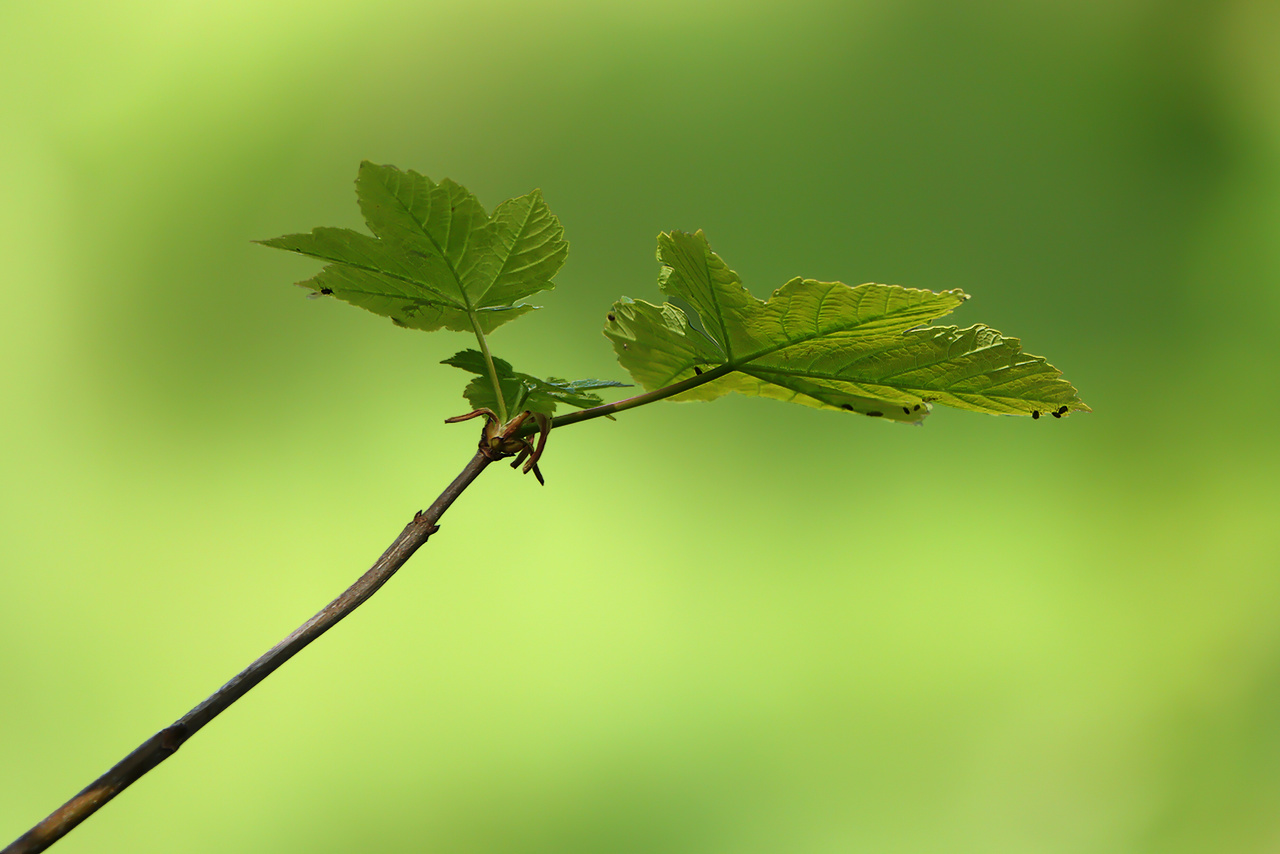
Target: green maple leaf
column 523, row 391
column 825, row 344
column 436, row 259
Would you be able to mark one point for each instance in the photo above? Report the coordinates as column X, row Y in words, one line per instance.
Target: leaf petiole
column 609, row 409
column 493, row 372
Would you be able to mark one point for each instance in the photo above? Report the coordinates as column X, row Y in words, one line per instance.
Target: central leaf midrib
column 715, row 301
column 762, row 373
column 470, row 309
column 922, row 392
column 822, row 375
column 760, row 354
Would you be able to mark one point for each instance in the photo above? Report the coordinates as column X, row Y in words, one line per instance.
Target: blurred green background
column 729, row 627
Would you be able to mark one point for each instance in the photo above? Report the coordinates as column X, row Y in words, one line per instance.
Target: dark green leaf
column 523, row 391
column 436, row 259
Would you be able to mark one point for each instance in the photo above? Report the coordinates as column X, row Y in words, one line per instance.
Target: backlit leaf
column 864, row 349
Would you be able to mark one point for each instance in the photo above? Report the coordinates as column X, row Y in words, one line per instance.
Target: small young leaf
column 825, row 344
column 436, row 259
column 522, row 391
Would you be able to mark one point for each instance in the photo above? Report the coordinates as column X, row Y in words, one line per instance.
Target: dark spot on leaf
column 1035, row 413
column 846, row 407
column 326, row 291
column 697, row 370
column 915, row 408
column 906, row 411
column 1057, row 413
column 1062, row 411
column 875, row 414
column 612, row 318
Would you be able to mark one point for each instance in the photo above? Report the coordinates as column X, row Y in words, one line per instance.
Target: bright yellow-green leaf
column 864, row 349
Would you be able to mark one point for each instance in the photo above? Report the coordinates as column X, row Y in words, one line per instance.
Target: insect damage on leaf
column 866, row 348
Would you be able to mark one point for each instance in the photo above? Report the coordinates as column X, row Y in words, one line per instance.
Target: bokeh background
column 731, row 627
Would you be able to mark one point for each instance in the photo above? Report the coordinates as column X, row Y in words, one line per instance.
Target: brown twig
column 163, row 744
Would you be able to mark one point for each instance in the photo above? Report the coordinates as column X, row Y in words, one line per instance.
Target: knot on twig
column 499, row 441
column 172, row 737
